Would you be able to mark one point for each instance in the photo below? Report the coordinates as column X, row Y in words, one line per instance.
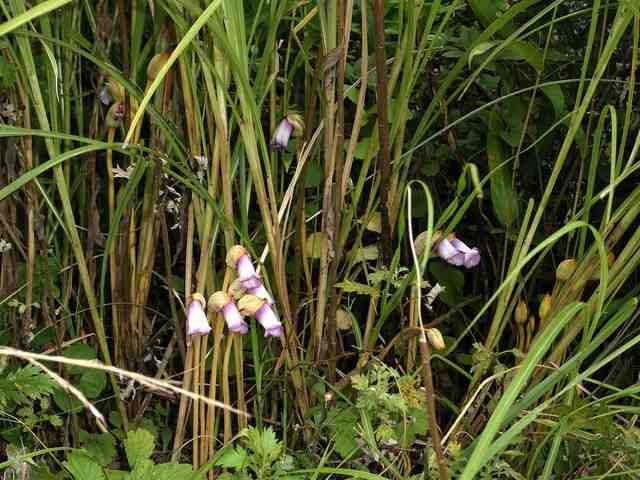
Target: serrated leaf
column 24, row 385
column 350, row 286
column 139, row 446
column 82, row 467
column 100, row 446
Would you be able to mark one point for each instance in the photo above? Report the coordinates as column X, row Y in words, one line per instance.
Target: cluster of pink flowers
column 252, row 297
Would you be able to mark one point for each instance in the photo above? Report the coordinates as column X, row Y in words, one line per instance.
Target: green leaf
column 139, row 446
column 503, row 197
column 82, row 467
column 81, row 351
column 361, row 151
column 30, row 15
column 313, row 176
column 350, row 286
column 480, row 49
column 313, row 244
column 521, row 50
column 92, row 383
column 235, row 458
column 99, row 446
column 556, row 97
column 24, row 385
column 451, row 278
column 172, row 471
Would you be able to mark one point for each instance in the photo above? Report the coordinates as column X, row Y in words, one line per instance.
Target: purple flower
column 456, row 252
column 252, row 305
column 197, row 323
column 233, row 319
column 281, row 136
column 238, row 257
column 269, row 321
column 220, row 302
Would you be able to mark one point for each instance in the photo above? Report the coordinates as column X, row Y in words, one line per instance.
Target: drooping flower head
column 197, row 323
column 289, row 124
column 239, row 258
column 220, row 302
column 237, row 291
column 454, row 251
column 259, row 308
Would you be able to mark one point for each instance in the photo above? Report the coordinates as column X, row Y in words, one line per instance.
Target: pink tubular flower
column 220, row 302
column 282, row 134
column 456, row 252
column 238, row 258
column 197, row 323
column 259, row 308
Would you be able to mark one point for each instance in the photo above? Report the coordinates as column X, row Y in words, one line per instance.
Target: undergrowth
column 334, row 239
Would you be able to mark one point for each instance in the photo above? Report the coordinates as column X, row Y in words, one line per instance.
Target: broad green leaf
column 235, row 458
column 521, row 50
column 100, row 446
column 556, row 97
column 139, row 447
column 82, row 467
column 92, row 383
column 503, row 196
column 172, row 471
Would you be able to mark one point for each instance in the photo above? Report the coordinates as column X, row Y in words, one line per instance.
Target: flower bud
column 566, row 269
column 115, row 90
column 115, row 115
column 421, row 240
column 522, row 312
column 545, row 307
column 156, row 64
column 435, row 338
